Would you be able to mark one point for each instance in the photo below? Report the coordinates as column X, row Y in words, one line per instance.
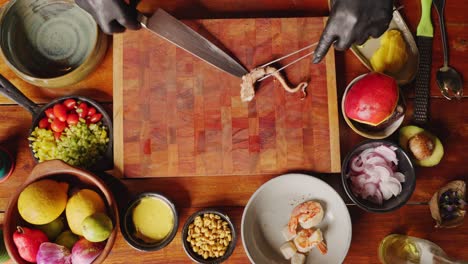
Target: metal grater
column 423, row 78
column 425, row 33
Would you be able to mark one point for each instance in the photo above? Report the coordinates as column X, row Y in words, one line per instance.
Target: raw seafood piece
column 248, row 82
column 307, row 239
column 307, row 214
column 288, row 250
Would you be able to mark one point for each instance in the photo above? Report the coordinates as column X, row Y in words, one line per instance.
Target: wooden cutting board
column 176, row 115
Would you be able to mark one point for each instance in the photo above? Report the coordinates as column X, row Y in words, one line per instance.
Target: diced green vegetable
column 79, row 145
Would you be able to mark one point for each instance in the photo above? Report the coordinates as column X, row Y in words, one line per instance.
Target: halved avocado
column 408, row 132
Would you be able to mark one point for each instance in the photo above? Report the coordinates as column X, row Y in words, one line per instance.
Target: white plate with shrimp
column 268, row 214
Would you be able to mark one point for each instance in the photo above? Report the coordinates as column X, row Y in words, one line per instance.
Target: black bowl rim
column 412, row 184
column 198, row 259
column 129, row 237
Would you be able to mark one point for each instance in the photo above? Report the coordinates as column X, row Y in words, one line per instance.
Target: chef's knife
column 424, row 33
column 176, row 32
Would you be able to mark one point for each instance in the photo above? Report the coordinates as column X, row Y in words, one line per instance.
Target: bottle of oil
column 401, row 249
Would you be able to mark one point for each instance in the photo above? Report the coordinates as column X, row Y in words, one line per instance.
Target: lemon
column 81, row 205
column 43, row 201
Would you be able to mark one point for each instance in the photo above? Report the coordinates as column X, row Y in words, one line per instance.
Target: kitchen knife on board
column 425, row 34
column 176, row 32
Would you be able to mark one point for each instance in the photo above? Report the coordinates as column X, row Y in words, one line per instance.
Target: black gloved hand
column 353, row 21
column 113, row 16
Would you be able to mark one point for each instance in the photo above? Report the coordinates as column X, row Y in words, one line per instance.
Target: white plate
column 268, row 211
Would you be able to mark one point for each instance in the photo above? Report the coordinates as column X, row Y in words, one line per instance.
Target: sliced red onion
column 373, row 174
column 376, row 160
column 385, row 189
column 357, row 165
column 365, row 154
column 377, row 198
column 359, row 180
column 369, row 190
column 396, row 183
column 399, row 176
column 387, row 153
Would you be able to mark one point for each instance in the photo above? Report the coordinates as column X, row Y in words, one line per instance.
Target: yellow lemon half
column 81, row 205
column 43, row 201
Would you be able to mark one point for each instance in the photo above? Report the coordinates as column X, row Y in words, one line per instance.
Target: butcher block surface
column 176, row 115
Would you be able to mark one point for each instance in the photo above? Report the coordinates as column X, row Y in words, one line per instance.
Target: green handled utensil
column 425, row 33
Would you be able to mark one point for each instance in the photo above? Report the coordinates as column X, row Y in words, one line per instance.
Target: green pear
column 97, row 227
column 67, row 239
column 53, row 229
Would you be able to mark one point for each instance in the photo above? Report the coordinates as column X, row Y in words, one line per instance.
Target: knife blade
column 176, row 32
column 425, row 34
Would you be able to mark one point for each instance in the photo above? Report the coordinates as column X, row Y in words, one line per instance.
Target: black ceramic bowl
column 188, row 248
column 404, row 166
column 128, row 228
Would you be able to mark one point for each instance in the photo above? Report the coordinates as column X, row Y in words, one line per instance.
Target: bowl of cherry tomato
column 74, row 129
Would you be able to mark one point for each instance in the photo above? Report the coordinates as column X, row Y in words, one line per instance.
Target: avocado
column 429, row 150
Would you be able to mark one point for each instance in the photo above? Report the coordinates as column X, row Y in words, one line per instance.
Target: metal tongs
column 289, row 64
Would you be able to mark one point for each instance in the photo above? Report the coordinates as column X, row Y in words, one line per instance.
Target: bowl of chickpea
column 209, row 236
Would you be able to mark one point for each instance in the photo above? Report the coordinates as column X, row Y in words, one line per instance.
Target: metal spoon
column 449, row 80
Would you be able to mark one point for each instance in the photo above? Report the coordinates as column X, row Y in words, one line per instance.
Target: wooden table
column 449, row 121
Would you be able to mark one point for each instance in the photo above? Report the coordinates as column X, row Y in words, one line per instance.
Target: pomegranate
column 372, row 100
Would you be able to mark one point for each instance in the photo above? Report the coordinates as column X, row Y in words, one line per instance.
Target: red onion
column 51, row 253
column 85, row 252
column 373, row 174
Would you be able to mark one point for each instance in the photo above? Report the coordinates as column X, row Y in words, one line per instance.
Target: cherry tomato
column 44, row 123
column 57, row 135
column 91, row 111
column 60, row 111
column 69, row 103
column 58, row 126
column 72, row 119
column 49, row 112
column 95, row 118
column 82, row 110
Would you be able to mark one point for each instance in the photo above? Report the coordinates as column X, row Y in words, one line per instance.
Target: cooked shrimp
column 307, row 214
column 307, row 239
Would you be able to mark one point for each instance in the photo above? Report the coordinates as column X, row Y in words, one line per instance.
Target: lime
column 53, row 229
column 97, row 227
column 67, row 239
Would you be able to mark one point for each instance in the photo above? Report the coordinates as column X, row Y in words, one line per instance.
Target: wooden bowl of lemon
column 69, row 210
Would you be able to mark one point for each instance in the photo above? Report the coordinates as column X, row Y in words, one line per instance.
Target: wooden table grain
column 449, row 120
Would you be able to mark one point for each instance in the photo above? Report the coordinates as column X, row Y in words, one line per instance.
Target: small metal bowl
column 128, row 228
column 405, row 166
column 197, row 258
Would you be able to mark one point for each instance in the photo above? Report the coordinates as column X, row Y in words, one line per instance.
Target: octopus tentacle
column 248, row 82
